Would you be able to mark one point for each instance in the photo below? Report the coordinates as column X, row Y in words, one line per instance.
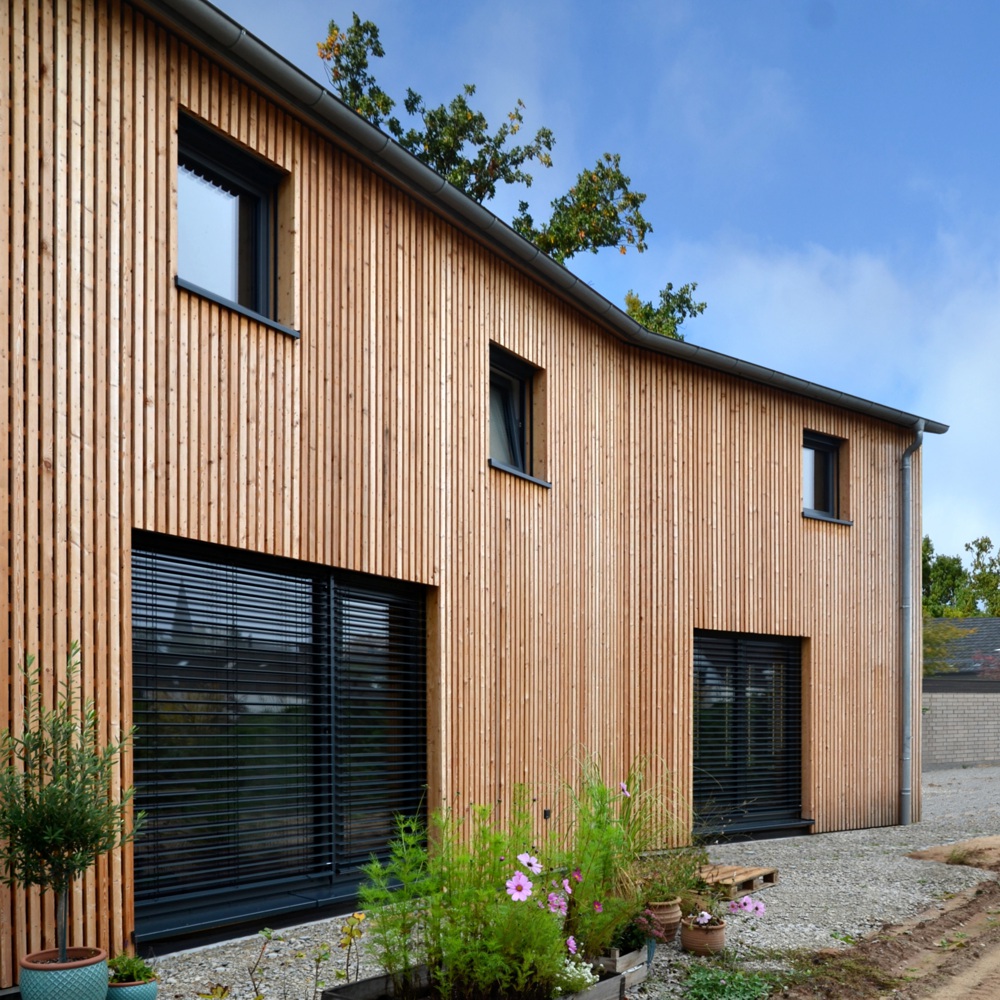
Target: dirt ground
column 952, row 953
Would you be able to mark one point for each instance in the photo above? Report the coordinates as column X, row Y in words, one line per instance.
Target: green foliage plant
column 667, row 315
column 351, row 932
column 58, row 810
column 669, row 874
column 446, row 908
column 600, row 210
column 718, row 982
column 395, row 891
column 454, row 139
column 494, row 910
column 950, row 590
column 125, row 968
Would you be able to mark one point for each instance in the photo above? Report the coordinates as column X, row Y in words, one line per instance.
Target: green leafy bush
column 715, row 982
column 494, row 910
column 125, row 968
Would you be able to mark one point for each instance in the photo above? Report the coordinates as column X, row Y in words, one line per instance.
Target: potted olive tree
column 58, row 814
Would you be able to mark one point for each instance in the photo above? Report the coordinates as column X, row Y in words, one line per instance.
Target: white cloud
column 723, row 111
column 926, row 342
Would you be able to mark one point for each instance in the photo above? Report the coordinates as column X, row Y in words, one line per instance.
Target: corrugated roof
column 972, row 647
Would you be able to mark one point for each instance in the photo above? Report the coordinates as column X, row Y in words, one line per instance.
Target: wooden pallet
column 735, row 881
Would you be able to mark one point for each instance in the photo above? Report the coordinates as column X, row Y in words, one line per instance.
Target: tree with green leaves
column 600, row 210
column 945, row 583
column 59, row 811
column 982, row 594
column 952, row 591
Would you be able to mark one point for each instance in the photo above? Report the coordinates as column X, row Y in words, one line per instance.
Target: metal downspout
column 906, row 624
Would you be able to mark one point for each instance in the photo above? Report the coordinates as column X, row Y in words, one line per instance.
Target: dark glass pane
column 281, row 719
column 819, row 474
column 226, row 684
column 823, row 482
column 747, row 729
column 380, row 718
column 503, row 437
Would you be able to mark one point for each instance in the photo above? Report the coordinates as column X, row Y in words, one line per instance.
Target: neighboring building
column 961, row 709
column 356, row 502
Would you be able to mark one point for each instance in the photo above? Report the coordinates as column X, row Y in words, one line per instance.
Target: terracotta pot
column 701, row 940
column 83, row 977
column 667, row 916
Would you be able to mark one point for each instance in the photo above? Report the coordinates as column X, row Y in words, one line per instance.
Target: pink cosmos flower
column 532, row 864
column 624, row 788
column 557, row 903
column 518, row 887
column 598, row 908
column 571, row 944
column 577, row 875
column 567, row 888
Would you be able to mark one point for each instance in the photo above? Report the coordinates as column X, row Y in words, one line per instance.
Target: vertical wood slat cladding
column 559, row 617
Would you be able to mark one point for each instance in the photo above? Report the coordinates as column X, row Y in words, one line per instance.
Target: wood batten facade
column 557, row 616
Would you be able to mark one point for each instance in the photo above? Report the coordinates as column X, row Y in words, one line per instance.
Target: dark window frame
column 826, row 455
column 748, row 734
column 512, row 384
column 212, row 157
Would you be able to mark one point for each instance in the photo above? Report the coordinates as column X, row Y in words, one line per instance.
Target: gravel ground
column 832, row 888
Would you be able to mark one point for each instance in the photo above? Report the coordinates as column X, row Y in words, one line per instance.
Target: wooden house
column 355, row 501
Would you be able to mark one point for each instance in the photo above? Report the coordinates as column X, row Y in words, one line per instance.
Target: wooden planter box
column 633, row 965
column 618, row 961
column 380, row 987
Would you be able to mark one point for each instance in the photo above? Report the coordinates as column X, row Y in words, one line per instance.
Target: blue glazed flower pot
column 132, row 991
column 83, row 977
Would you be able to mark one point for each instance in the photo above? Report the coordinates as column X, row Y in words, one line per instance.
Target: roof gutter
column 205, row 23
column 906, row 626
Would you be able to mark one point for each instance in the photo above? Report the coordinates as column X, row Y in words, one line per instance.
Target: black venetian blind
column 748, row 733
column 281, row 725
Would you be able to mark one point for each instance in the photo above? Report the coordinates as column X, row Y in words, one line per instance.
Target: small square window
column 511, row 406
column 820, row 475
column 226, row 219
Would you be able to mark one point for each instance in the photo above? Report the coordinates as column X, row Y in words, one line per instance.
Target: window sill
column 818, row 515
column 235, row 307
column 517, row 472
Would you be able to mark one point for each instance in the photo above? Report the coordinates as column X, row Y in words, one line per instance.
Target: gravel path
column 832, row 887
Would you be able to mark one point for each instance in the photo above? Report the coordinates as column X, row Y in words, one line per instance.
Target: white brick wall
column 960, row 728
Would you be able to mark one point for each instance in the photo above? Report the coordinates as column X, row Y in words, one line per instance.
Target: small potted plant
column 58, row 814
column 703, row 931
column 663, row 878
column 131, row 978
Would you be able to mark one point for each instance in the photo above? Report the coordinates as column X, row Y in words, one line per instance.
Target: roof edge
column 229, row 38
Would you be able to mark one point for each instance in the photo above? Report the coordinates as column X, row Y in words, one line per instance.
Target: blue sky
column 826, row 171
